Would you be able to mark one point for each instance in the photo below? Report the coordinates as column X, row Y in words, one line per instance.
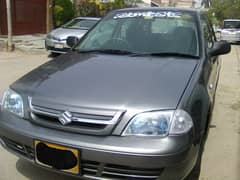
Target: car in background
column 231, row 30
column 55, row 41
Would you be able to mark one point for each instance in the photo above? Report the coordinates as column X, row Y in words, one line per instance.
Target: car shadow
column 235, row 43
column 53, row 55
column 34, row 172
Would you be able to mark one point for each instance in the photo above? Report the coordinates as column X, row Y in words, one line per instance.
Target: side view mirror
column 72, row 41
column 220, row 48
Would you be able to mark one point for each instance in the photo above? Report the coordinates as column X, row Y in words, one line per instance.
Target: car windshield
column 81, row 24
column 232, row 24
column 144, row 32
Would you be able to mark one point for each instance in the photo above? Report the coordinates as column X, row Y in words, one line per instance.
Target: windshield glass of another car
column 145, row 32
column 80, row 24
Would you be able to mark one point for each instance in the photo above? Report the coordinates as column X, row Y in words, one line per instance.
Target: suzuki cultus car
column 132, row 100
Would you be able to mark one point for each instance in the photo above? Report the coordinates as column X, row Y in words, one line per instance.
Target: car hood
column 109, row 81
column 63, row 33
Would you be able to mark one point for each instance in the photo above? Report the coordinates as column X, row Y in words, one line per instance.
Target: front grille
column 19, row 148
column 74, row 125
column 111, row 171
column 85, row 121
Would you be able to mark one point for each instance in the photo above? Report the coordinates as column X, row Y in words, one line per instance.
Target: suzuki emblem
column 65, row 118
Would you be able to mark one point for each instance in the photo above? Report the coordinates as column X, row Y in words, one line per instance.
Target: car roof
column 162, row 8
column 231, row 19
column 88, row 18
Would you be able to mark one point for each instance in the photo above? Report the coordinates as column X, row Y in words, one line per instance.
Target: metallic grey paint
column 101, row 84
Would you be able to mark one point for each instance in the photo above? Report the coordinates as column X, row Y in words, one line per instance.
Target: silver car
column 56, row 39
column 231, row 30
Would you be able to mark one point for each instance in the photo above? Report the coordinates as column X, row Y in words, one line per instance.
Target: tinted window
column 145, row 32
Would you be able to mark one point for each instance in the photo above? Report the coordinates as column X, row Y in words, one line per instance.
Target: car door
column 213, row 63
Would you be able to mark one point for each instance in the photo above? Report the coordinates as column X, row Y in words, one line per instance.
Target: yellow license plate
column 58, row 157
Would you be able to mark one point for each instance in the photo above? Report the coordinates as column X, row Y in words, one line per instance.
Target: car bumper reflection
column 56, row 46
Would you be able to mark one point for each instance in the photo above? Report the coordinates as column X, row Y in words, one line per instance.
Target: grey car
column 131, row 100
column 56, row 40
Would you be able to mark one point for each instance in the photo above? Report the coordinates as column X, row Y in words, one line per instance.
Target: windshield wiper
column 135, row 54
column 167, row 54
column 108, row 51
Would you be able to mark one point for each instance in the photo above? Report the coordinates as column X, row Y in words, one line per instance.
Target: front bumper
column 108, row 157
column 231, row 37
column 56, row 46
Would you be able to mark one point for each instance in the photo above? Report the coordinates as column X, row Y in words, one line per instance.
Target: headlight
column 159, row 123
column 13, row 103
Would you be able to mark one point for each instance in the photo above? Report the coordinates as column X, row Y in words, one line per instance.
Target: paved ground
column 26, row 43
column 221, row 159
column 15, row 64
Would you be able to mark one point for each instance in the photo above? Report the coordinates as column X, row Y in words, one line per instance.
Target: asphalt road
column 221, row 158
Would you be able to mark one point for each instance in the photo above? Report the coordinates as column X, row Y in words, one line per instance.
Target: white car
column 231, row 30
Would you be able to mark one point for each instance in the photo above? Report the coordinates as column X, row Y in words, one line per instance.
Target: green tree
column 62, row 12
column 133, row 3
column 118, row 4
column 96, row 8
column 224, row 9
column 88, row 8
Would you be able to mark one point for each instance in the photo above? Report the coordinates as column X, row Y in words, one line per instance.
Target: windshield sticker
column 148, row 14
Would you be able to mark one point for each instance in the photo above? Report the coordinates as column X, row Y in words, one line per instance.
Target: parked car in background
column 132, row 100
column 231, row 30
column 56, row 40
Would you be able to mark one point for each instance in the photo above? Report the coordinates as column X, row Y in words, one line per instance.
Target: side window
column 99, row 36
column 208, row 33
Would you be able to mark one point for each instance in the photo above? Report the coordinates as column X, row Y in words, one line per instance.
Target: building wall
column 3, row 17
column 177, row 3
column 28, row 17
column 184, row 3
